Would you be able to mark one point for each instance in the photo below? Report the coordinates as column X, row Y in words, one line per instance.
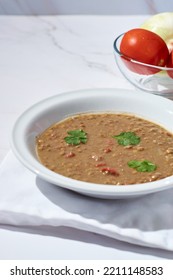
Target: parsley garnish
column 75, row 137
column 142, row 166
column 127, row 138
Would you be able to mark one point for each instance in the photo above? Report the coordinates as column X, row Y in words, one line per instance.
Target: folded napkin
column 27, row 200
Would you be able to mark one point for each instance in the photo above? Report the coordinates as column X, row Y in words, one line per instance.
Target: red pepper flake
column 109, row 170
column 70, row 154
column 100, row 164
column 107, row 150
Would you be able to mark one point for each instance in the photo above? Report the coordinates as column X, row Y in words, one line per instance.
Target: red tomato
column 146, row 47
column 170, row 64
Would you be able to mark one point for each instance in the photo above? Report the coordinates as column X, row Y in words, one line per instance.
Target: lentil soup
column 107, row 148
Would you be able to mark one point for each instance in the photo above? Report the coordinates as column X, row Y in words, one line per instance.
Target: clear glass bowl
column 153, row 79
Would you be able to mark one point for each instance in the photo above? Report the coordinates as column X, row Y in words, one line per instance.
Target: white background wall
column 103, row 7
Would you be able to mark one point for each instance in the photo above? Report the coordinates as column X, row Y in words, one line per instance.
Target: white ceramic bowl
column 43, row 114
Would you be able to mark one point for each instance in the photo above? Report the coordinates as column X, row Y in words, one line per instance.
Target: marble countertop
column 41, row 56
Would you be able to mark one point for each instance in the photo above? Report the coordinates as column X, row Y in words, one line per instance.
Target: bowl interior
column 47, row 112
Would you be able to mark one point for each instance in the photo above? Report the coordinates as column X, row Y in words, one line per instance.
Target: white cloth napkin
column 26, row 200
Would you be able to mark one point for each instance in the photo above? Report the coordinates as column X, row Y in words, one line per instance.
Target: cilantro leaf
column 127, row 138
column 142, row 166
column 75, row 137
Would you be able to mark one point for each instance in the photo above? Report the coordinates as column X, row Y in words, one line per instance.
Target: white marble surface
column 42, row 7
column 96, row 7
column 40, row 57
column 43, row 56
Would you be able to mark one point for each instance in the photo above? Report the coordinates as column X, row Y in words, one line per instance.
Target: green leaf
column 75, row 137
column 127, row 138
column 142, row 166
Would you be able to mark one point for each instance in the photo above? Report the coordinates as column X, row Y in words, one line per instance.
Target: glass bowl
column 147, row 77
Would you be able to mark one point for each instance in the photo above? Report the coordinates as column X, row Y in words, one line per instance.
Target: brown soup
column 107, row 148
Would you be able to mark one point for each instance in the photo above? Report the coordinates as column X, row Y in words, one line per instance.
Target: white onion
column 161, row 24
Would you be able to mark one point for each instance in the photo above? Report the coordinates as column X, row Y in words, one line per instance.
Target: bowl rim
column 91, row 189
column 117, row 51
